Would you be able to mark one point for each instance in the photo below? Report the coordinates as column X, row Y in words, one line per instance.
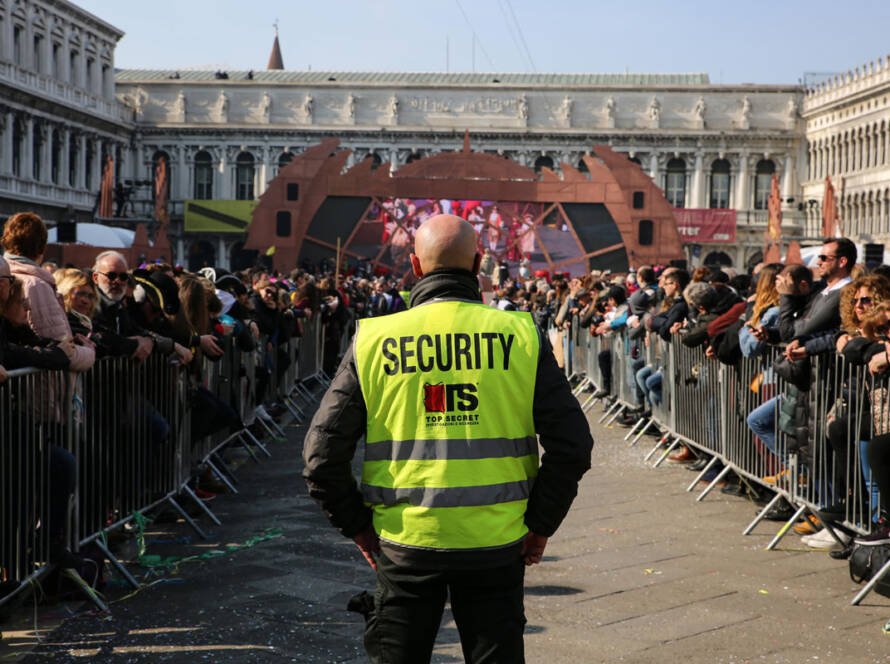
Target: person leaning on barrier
column 24, row 242
column 674, row 308
column 81, row 302
column 111, row 278
column 446, row 503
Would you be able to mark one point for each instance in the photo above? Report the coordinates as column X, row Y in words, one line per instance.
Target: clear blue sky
column 757, row 41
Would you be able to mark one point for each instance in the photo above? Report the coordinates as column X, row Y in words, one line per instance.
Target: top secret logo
column 442, row 398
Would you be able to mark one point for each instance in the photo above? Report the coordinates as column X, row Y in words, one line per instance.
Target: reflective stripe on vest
column 451, row 451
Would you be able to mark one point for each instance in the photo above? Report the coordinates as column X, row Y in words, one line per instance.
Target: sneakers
column 206, row 496
column 774, row 480
column 880, row 536
column 823, row 540
column 600, row 394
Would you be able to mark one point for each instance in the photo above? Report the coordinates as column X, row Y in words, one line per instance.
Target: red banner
column 705, row 225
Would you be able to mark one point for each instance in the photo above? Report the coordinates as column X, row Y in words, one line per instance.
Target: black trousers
column 408, row 605
column 605, row 361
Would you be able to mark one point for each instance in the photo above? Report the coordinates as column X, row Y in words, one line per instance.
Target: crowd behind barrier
column 703, row 404
column 128, row 392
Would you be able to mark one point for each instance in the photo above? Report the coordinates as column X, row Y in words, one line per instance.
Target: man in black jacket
column 412, row 582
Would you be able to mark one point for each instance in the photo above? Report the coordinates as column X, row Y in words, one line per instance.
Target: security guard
column 449, row 396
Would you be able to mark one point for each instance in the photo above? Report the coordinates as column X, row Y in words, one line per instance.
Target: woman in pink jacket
column 24, row 242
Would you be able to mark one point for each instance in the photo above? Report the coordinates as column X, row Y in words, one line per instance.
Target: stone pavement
column 639, row 572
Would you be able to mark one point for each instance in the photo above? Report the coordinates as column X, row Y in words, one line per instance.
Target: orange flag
column 106, row 193
column 774, row 205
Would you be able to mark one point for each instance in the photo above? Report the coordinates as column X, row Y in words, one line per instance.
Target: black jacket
column 20, row 347
column 338, row 425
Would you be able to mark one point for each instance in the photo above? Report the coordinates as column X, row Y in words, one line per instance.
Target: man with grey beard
column 111, row 277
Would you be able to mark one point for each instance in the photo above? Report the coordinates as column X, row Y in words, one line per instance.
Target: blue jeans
column 653, row 387
column 762, row 421
column 641, row 376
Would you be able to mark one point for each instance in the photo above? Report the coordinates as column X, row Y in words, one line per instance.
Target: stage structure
column 608, row 215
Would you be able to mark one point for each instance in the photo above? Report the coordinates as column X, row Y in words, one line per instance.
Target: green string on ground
column 154, row 562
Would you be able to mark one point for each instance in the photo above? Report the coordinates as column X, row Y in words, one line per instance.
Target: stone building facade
column 708, row 146
column 847, row 125
column 59, row 115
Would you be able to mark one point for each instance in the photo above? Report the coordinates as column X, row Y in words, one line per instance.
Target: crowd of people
column 786, row 316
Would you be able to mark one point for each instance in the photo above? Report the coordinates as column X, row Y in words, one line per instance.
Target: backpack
column 866, row 560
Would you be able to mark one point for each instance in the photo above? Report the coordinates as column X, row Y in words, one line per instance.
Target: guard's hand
column 533, row 548
column 368, row 543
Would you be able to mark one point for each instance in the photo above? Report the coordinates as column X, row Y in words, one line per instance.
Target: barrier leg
column 256, row 442
column 609, row 411
column 293, row 409
column 616, row 415
column 223, row 477
column 117, row 564
column 714, row 482
column 189, row 520
column 589, row 403
column 701, row 474
column 636, row 426
column 202, row 505
column 661, row 441
column 247, row 447
column 579, row 388
column 872, row 582
column 642, row 433
column 784, row 529
column 86, row 588
column 667, row 452
column 271, row 424
column 761, row 514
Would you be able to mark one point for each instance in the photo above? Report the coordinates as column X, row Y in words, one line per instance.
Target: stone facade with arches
column 848, row 138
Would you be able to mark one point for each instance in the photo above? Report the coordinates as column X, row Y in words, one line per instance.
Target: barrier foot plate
column 785, row 528
column 256, row 442
column 189, row 520
column 221, row 469
column 714, row 482
column 702, row 474
column 87, row 589
column 202, row 505
column 118, row 565
column 872, row 582
column 667, row 452
column 661, row 441
column 762, row 513
column 642, row 432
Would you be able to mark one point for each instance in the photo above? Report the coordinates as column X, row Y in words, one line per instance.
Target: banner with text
column 705, row 225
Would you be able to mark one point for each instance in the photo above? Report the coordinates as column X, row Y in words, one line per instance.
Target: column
column 97, row 165
column 28, row 150
column 7, row 146
column 223, row 182
column 393, row 159
column 126, row 167
column 139, row 160
column 180, row 251
column 221, row 258
column 653, row 168
column 742, row 202
column 698, row 185
column 46, row 149
column 788, row 180
column 182, row 188
column 63, row 157
column 80, row 174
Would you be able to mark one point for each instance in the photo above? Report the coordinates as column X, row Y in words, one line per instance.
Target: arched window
column 244, row 177
column 203, row 176
column 37, row 61
column 72, row 160
column 543, row 162
column 157, row 157
column 88, row 168
column 18, row 36
column 763, row 176
column 18, row 136
column 284, row 159
column 720, row 184
column 675, row 183
column 414, row 156
column 582, row 166
column 376, row 160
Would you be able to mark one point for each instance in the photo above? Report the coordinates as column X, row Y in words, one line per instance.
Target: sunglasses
column 823, row 257
column 864, row 301
column 84, row 293
column 116, row 276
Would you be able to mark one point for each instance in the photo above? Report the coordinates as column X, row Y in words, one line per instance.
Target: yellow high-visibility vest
column 451, row 451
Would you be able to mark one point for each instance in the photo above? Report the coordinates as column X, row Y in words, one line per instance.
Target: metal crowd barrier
column 705, row 404
column 129, row 427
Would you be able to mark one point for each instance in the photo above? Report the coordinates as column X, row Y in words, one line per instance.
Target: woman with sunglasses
column 81, row 301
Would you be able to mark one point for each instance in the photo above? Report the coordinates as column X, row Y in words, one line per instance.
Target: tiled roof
column 418, row 78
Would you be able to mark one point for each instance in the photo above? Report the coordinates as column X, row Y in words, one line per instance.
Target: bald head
column 444, row 241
